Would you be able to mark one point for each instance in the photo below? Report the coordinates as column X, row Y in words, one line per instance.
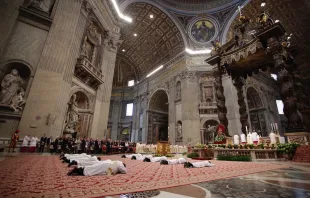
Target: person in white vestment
column 155, row 159
column 249, row 138
column 272, row 137
column 100, row 168
column 173, row 161
column 33, row 144
column 243, row 139
column 255, row 138
column 236, row 139
column 198, row 164
column 25, row 144
column 130, row 156
column 86, row 161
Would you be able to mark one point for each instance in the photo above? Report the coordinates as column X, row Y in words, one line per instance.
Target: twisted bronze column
column 220, row 99
column 285, row 66
column 239, row 83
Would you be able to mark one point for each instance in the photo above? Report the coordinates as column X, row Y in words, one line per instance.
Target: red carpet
column 302, row 154
column 45, row 176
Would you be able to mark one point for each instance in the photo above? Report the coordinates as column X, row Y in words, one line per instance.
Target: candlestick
column 276, row 126
column 271, row 127
column 246, row 129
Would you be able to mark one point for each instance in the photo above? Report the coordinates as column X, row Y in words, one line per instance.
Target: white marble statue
column 236, row 139
column 18, row 102
column 179, row 130
column 10, row 86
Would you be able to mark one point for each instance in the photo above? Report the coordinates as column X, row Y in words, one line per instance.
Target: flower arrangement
column 200, row 146
column 289, row 149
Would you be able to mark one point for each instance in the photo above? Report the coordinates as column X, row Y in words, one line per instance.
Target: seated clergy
column 101, row 168
column 198, row 164
column 173, row 161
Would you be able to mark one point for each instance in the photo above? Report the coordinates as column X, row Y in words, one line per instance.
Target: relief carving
column 43, row 5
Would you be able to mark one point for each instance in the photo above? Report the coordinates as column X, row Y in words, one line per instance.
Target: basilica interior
column 164, row 73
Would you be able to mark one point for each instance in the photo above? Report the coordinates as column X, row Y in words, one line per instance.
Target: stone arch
column 157, row 116
column 84, row 105
column 207, row 120
column 125, row 4
column 25, row 71
column 152, row 94
column 254, row 99
column 231, row 20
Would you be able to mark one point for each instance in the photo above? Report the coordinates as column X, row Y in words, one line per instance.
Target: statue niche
column 13, row 88
column 77, row 107
column 179, row 135
column 178, row 95
column 41, row 5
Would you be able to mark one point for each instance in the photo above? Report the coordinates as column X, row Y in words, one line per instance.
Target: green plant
column 262, row 146
column 245, row 158
column 251, row 146
column 272, row 146
column 289, row 149
column 235, row 146
column 229, row 146
column 184, row 153
column 169, row 155
column 240, row 146
column 192, row 155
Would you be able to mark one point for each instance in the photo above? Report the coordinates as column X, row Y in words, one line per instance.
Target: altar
column 163, row 147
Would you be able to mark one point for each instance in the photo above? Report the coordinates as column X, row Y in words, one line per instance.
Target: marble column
column 220, row 99
column 115, row 118
column 50, row 89
column 190, row 112
column 172, row 112
column 285, row 65
column 136, row 119
column 239, row 84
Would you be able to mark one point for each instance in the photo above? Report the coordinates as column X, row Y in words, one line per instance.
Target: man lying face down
column 131, row 155
column 70, row 158
column 173, row 161
column 141, row 157
column 66, row 157
column 81, row 162
column 101, row 168
column 198, row 164
column 155, row 159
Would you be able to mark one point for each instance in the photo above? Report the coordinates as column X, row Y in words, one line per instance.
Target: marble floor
column 290, row 182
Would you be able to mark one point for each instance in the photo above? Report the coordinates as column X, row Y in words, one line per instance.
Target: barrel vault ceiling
column 157, row 41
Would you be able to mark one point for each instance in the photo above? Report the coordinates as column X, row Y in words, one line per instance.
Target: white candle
column 246, row 129
column 271, row 127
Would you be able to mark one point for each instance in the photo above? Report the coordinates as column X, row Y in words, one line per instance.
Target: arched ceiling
column 295, row 17
column 194, row 5
column 158, row 40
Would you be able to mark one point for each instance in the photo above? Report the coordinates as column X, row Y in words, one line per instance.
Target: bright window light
column 151, row 16
column 280, row 106
column 126, row 18
column 206, row 51
column 129, row 109
column 274, row 76
column 153, row 72
column 131, row 83
column 277, row 21
column 263, row 4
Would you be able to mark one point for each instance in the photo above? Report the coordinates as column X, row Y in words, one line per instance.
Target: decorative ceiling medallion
column 203, row 30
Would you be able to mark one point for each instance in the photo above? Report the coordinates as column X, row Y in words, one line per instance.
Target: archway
column 125, row 134
column 209, row 131
column 257, row 112
column 158, row 117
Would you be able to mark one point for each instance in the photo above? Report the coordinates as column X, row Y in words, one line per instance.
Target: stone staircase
column 302, row 154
